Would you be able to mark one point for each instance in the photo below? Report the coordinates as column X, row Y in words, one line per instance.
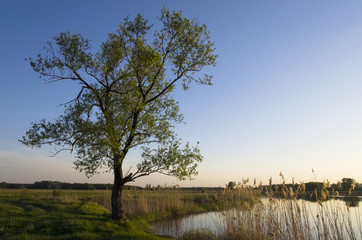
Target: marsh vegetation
column 242, row 212
column 283, row 213
column 76, row 214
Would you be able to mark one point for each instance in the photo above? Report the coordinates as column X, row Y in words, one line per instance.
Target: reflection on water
column 214, row 221
column 177, row 226
column 352, row 201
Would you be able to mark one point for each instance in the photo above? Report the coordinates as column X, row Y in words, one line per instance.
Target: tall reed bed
column 282, row 215
column 173, row 202
column 289, row 219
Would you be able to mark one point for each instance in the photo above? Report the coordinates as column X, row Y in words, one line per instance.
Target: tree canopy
column 125, row 96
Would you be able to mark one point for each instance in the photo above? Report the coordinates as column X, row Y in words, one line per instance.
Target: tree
column 348, row 183
column 231, row 185
column 125, row 98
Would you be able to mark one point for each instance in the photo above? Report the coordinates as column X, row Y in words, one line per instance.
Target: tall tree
column 125, row 98
column 348, row 183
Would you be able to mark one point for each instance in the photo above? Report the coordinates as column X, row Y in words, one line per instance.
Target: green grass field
column 72, row 214
column 44, row 215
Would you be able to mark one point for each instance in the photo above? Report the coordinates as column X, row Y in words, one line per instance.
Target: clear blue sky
column 287, row 93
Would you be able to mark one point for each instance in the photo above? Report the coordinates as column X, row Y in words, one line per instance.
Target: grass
column 45, row 215
column 69, row 214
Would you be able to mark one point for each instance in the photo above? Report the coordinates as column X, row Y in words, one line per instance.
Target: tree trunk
column 116, row 200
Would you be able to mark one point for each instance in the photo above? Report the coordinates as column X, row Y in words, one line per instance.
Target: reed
column 281, row 214
column 173, row 202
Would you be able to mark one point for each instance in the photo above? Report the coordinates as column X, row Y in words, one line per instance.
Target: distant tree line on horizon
column 93, row 186
column 56, row 185
column 346, row 184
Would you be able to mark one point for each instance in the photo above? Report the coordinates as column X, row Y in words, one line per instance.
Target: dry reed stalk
column 290, row 218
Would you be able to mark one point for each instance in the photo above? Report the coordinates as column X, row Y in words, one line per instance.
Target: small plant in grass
column 56, row 194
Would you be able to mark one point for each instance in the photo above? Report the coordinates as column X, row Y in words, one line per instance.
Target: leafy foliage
column 125, row 97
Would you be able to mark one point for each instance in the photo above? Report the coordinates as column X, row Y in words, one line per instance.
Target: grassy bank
column 46, row 215
column 69, row 214
column 74, row 214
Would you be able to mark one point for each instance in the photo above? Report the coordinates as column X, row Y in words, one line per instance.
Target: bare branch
column 59, row 151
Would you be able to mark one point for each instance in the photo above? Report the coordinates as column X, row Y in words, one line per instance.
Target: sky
column 286, row 94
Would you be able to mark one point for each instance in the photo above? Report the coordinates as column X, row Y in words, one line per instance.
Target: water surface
column 214, row 221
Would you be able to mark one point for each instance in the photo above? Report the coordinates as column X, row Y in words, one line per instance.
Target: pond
column 312, row 213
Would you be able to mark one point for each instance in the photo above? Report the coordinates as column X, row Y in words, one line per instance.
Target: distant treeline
column 92, row 186
column 345, row 186
column 56, row 185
